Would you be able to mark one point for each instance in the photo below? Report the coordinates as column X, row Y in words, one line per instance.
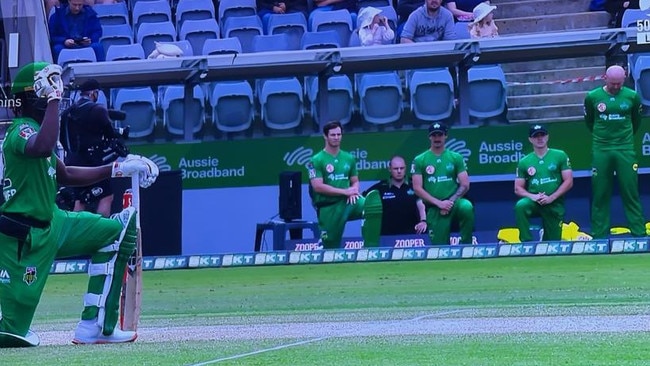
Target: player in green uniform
column 613, row 115
column 335, row 187
column 543, row 177
column 440, row 179
column 34, row 231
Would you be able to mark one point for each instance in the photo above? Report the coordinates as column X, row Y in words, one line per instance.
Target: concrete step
column 531, row 8
column 553, row 23
column 541, row 88
column 548, row 112
column 544, row 100
column 554, row 75
column 566, row 63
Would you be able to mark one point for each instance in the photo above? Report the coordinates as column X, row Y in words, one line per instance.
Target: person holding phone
column 75, row 25
column 374, row 28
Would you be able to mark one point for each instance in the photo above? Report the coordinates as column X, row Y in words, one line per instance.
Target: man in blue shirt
column 74, row 26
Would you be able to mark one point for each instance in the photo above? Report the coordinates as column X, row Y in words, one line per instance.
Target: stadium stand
column 432, row 94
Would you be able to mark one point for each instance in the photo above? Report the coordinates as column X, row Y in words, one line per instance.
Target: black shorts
column 93, row 193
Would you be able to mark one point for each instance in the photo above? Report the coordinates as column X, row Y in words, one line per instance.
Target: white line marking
column 313, row 340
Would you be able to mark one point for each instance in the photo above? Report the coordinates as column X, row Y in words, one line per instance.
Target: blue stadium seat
column 221, row 46
column 462, row 30
column 70, row 55
column 150, row 12
column 487, row 91
column 198, row 31
column 139, row 104
column 432, row 94
column 340, row 98
column 336, row 20
column 641, row 75
column 121, row 52
column 236, row 8
column 193, row 10
column 355, row 41
column 274, row 42
column 374, row 3
column 318, row 40
column 148, row 33
column 119, row 34
column 281, row 103
column 233, row 107
column 244, row 28
column 185, row 46
column 380, row 97
column 112, row 14
column 294, row 25
column 173, row 105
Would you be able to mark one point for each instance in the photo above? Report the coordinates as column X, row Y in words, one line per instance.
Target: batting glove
column 146, row 170
column 48, row 83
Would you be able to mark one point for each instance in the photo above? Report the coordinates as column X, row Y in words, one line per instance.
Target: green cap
column 24, row 80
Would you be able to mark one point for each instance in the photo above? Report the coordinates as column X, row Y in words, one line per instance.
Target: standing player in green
column 613, row 115
column 543, row 177
column 440, row 179
column 335, row 187
column 34, row 231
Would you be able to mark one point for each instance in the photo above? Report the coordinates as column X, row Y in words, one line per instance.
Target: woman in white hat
column 374, row 28
column 483, row 25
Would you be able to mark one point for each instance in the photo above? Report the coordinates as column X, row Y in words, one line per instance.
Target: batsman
column 34, row 231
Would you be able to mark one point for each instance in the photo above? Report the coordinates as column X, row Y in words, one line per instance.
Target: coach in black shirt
column 403, row 212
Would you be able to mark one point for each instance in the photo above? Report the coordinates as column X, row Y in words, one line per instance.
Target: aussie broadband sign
column 491, row 152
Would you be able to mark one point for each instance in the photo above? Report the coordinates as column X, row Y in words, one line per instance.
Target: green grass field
column 583, row 310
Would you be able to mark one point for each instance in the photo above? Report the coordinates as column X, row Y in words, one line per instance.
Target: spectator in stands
column 616, row 8
column 430, row 22
column 75, row 25
column 326, row 5
column 440, row 179
column 543, row 178
column 402, row 211
column 267, row 7
column 404, row 10
column 373, row 27
column 463, row 10
column 483, row 25
column 49, row 4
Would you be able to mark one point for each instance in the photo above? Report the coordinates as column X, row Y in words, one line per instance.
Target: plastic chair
column 432, row 94
column 374, row 3
column 139, row 104
column 318, row 40
column 641, row 75
column 193, row 10
column 233, row 107
column 150, row 12
column 221, row 46
column 281, row 103
column 340, row 98
column 274, row 42
column 148, row 33
column 71, row 55
column 487, row 91
column 173, row 105
column 198, row 31
column 380, row 97
column 112, row 14
column 462, row 30
column 294, row 25
column 244, row 28
column 119, row 34
column 125, row 52
column 236, row 8
column 336, row 20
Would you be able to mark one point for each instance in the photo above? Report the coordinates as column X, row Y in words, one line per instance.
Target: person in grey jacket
column 430, row 22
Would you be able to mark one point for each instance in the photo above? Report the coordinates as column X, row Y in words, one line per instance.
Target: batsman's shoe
column 88, row 332
column 8, row 340
column 126, row 218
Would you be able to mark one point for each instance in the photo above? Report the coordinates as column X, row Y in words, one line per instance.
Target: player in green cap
column 34, row 231
column 543, row 178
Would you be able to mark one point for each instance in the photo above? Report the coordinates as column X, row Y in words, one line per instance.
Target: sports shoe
column 88, row 332
column 126, row 218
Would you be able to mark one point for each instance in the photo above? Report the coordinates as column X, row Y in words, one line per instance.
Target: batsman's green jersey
column 613, row 121
column 333, row 211
column 542, row 175
column 29, row 184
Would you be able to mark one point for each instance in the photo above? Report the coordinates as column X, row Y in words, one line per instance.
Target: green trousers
column 69, row 234
column 332, row 219
column 604, row 164
column 440, row 225
column 552, row 217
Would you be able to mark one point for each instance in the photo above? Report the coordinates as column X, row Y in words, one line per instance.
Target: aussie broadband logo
column 500, row 152
column 208, row 167
column 299, row 156
column 459, row 146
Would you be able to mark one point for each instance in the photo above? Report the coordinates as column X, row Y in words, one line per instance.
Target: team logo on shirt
column 329, row 168
column 531, row 170
column 635, row 167
column 26, row 131
column 601, row 107
column 430, row 169
column 30, row 275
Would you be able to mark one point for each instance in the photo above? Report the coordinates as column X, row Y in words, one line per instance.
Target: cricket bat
column 131, row 298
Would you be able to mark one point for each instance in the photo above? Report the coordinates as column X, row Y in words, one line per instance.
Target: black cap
column 88, row 85
column 437, row 127
column 534, row 130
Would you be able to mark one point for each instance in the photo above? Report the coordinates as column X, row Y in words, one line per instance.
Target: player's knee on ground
column 465, row 208
column 522, row 206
